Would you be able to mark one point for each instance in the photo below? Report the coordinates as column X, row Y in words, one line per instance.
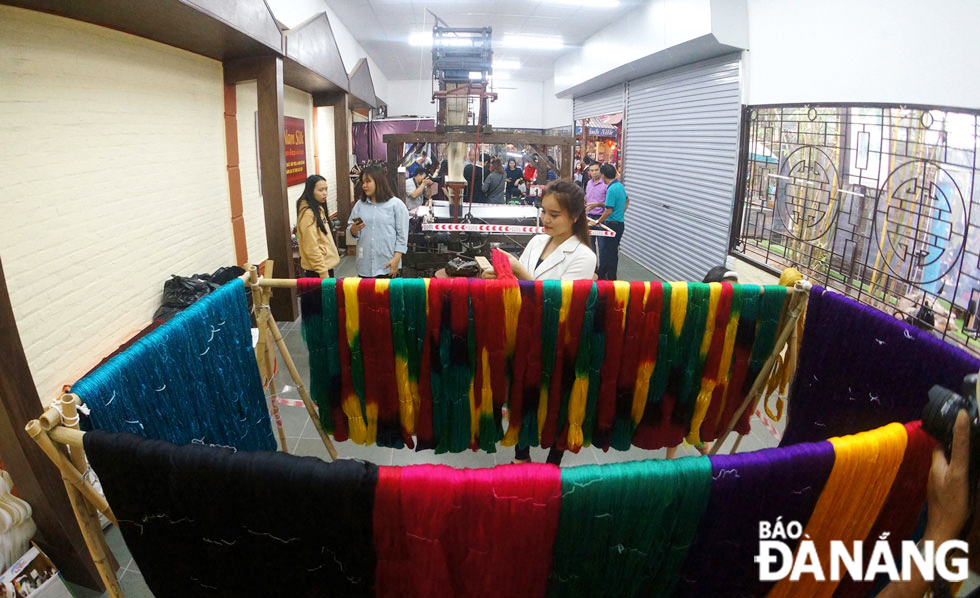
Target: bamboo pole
column 294, row 373
column 78, row 493
column 260, row 296
column 69, row 473
column 797, row 305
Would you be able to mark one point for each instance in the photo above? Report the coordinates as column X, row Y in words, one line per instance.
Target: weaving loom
column 460, row 351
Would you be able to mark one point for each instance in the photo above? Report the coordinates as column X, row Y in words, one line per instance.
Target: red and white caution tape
column 289, row 402
column 768, row 424
column 510, row 229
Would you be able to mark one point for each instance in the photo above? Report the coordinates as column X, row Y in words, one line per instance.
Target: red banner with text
column 295, row 151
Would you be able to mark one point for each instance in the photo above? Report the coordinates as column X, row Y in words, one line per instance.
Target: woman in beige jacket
column 317, row 250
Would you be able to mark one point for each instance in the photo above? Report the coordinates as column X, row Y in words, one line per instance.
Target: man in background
column 613, row 216
column 473, row 173
column 415, row 166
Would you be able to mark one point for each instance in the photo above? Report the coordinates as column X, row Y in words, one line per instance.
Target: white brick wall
column 112, row 177
column 252, row 211
column 297, row 104
column 327, row 160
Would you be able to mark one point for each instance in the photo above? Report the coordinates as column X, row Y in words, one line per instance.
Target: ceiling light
column 533, row 42
column 507, row 64
column 421, row 38
column 424, row 38
column 476, row 75
column 587, row 3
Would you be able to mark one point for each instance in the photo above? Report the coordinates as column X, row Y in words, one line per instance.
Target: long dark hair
column 382, row 189
column 571, row 198
column 311, row 202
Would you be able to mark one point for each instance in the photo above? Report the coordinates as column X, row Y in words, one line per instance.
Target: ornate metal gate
column 877, row 202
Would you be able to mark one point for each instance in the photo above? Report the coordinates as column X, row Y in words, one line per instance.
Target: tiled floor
column 302, row 438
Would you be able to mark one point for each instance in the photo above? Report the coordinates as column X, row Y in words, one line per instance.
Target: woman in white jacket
column 561, row 253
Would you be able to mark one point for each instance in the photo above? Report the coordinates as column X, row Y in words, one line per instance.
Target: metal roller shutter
column 681, row 157
column 600, row 103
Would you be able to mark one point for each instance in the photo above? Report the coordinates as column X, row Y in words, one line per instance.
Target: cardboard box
column 33, row 576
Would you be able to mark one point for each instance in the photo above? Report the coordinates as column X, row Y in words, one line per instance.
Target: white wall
column 327, row 155
column 893, row 51
column 648, row 29
column 297, row 104
column 113, row 165
column 518, row 103
column 410, row 98
column 554, row 112
column 294, row 12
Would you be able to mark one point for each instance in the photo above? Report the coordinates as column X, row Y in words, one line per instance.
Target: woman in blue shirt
column 379, row 222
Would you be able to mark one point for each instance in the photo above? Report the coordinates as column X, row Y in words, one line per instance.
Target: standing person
column 530, row 172
column 473, row 173
column 561, row 253
column 595, row 192
column 418, row 189
column 318, row 254
column 513, row 173
column 614, row 217
column 495, row 185
column 379, row 225
column 415, row 166
column 552, row 174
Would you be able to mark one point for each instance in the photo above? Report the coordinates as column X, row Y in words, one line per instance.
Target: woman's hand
column 488, row 275
column 392, row 266
column 949, row 486
column 357, row 227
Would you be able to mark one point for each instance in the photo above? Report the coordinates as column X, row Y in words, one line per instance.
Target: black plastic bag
column 463, row 267
column 226, row 274
column 180, row 292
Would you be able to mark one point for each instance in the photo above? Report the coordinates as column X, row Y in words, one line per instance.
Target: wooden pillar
column 393, row 159
column 235, row 175
column 38, row 480
column 341, row 152
column 267, row 72
column 568, row 162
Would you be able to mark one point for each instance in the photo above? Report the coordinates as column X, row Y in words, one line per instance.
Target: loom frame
column 57, row 434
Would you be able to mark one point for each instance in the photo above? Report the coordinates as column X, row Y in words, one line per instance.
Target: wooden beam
column 38, row 480
column 485, row 138
column 341, row 152
column 272, row 158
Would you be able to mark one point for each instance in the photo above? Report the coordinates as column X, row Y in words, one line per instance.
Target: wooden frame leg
column 80, row 494
column 797, row 304
column 260, row 297
column 270, row 322
column 294, row 373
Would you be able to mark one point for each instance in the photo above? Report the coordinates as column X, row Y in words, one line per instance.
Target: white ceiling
column 383, row 27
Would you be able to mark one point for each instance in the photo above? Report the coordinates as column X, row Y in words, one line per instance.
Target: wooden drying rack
column 57, row 434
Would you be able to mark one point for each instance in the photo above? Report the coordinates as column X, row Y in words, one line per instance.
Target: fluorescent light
column 587, row 3
column 455, row 42
column 420, row 38
column 533, row 42
column 501, row 74
column 476, row 75
column 424, row 38
column 509, row 65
